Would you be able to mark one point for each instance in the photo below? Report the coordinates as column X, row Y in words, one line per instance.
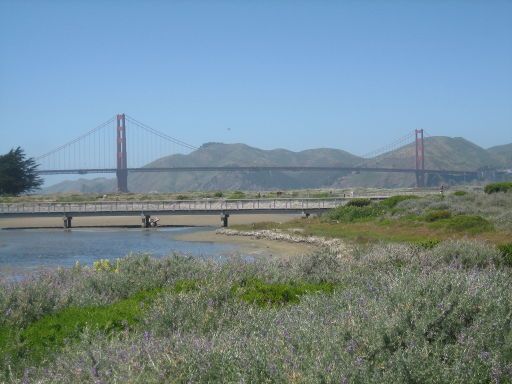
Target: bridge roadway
column 469, row 173
column 146, row 209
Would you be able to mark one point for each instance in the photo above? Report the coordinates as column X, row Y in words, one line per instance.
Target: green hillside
column 242, row 155
column 502, row 154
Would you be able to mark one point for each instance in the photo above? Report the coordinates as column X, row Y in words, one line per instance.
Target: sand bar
column 251, row 246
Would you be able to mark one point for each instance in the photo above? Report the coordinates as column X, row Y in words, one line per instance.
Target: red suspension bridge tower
column 420, row 159
column 122, row 171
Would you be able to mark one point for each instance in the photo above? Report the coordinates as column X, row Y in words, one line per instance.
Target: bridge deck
column 172, row 207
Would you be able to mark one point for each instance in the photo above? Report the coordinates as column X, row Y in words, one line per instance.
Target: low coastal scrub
column 350, row 213
column 359, row 203
column 392, row 201
column 498, row 187
column 410, row 218
column 384, row 313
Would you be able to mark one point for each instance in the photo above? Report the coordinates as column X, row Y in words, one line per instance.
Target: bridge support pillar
column 121, row 171
column 146, row 221
column 420, row 179
column 67, row 222
column 420, row 159
column 224, row 219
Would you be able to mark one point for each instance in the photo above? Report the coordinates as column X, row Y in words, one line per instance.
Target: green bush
column 460, row 193
column 392, row 201
column 506, row 252
column 472, row 224
column 218, row 194
column 182, row 197
column 427, row 244
column 498, row 187
column 257, row 292
column 351, row 213
column 437, row 215
column 359, row 203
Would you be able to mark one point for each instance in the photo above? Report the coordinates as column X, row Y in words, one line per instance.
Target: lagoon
column 26, row 250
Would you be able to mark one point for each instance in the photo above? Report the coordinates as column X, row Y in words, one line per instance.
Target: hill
column 219, row 154
column 502, row 154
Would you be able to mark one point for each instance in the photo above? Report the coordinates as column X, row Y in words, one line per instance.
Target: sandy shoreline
column 251, row 246
column 134, row 220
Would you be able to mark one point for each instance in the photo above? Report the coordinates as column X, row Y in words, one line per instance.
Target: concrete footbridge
column 148, row 210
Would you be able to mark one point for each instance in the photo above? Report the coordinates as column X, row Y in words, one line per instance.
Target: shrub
column 351, row 213
column 437, row 215
column 446, row 319
column 218, row 194
column 106, row 265
column 392, row 201
column 427, row 244
column 236, row 195
column 464, row 253
column 182, row 197
column 460, row 193
column 472, row 224
column 320, row 195
column 359, row 203
column 263, row 294
column 498, row 187
column 506, row 253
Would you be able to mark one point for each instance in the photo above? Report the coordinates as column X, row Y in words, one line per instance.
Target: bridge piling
column 224, row 219
column 146, row 221
column 67, row 222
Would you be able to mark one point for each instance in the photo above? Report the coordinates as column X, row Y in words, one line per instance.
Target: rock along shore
column 334, row 246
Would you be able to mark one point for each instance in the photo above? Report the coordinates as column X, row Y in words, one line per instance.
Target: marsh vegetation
column 436, row 309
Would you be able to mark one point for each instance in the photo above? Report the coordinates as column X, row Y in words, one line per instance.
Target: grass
column 49, row 333
column 506, row 252
column 255, row 291
column 464, row 224
column 46, row 335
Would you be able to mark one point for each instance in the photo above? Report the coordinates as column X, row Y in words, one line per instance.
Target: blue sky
column 353, row 75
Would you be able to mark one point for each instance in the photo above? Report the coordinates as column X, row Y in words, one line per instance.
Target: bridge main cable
column 99, row 127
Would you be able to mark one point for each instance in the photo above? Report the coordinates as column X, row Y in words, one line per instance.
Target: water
column 24, row 250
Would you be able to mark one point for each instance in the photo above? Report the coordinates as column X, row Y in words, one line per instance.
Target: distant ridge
column 440, row 153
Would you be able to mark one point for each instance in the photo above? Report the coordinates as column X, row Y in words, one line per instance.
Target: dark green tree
column 17, row 173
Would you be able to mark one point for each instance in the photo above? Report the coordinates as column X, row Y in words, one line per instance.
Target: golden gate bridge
column 123, row 145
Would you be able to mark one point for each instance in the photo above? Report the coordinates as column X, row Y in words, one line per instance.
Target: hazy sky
column 353, row 75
